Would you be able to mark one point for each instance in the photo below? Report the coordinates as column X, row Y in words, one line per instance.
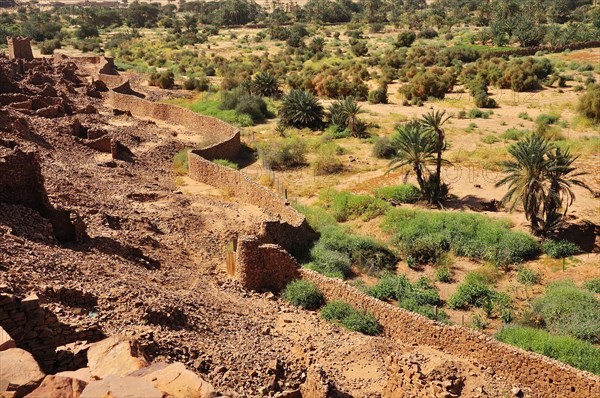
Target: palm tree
column 561, row 177
column 526, row 178
column 301, row 109
column 434, row 121
column 416, row 147
column 265, row 85
column 344, row 113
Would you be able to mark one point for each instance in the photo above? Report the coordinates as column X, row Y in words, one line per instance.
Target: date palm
column 540, row 178
column 301, row 109
column 265, row 84
column 415, row 147
column 526, row 179
column 562, row 176
column 434, row 121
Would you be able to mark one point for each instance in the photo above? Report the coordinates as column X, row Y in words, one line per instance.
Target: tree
column 405, row 38
column 414, row 146
column 433, row 121
column 265, row 85
column 539, row 178
column 344, row 113
column 301, row 109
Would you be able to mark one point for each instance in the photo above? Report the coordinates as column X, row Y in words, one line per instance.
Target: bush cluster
column 475, row 292
column 559, row 249
column 352, row 319
column 345, row 206
column 284, row 153
column 404, row 193
column 593, row 285
column 419, row 297
column 303, row 294
column 336, row 245
column 383, row 148
column 426, row 235
column 566, row 309
column 164, row 80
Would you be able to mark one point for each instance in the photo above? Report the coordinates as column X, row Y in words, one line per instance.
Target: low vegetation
column 303, row 294
column 352, row 319
column 426, row 235
column 569, row 350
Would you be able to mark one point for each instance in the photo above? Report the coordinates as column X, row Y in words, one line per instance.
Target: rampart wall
column 213, row 130
column 264, row 266
column 546, row 377
column 288, row 228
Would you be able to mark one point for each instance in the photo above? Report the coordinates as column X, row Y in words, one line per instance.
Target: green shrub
column 303, row 294
column 589, row 103
column 301, row 109
column 327, row 161
column 527, row 276
column 346, row 205
column 593, row 285
column 378, row 96
column 426, row 235
column 362, row 322
column 546, row 119
column 525, row 116
column 404, row 193
column 569, row 350
column 443, row 274
column 490, row 139
column 317, row 217
column 471, row 293
column 367, row 254
column 164, row 80
column 567, row 309
column 336, row 311
column 418, row 297
column 226, row 163
column 476, row 113
column 284, row 153
column 352, row 319
column 513, row 134
column 383, row 148
column 332, row 263
column 559, row 249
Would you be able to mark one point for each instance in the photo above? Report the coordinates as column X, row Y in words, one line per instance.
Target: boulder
column 59, row 387
column 115, row 356
column 83, row 374
column 19, row 372
column 6, row 341
column 176, row 381
column 121, row 387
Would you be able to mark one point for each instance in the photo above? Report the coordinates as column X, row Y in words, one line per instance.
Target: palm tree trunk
column 419, row 174
column 438, row 166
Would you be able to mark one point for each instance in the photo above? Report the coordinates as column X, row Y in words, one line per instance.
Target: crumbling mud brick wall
column 288, row 228
column 19, row 48
column 264, row 266
column 39, row 332
column 21, row 183
column 225, row 138
column 544, row 376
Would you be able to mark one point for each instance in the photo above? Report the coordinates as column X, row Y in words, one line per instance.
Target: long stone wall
column 546, row 377
column 214, row 131
column 288, row 228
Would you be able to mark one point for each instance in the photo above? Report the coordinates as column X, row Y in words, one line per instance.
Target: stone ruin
column 19, row 48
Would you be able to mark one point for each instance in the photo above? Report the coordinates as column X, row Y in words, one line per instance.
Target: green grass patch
column 569, row 350
column 559, row 249
column 226, row 163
